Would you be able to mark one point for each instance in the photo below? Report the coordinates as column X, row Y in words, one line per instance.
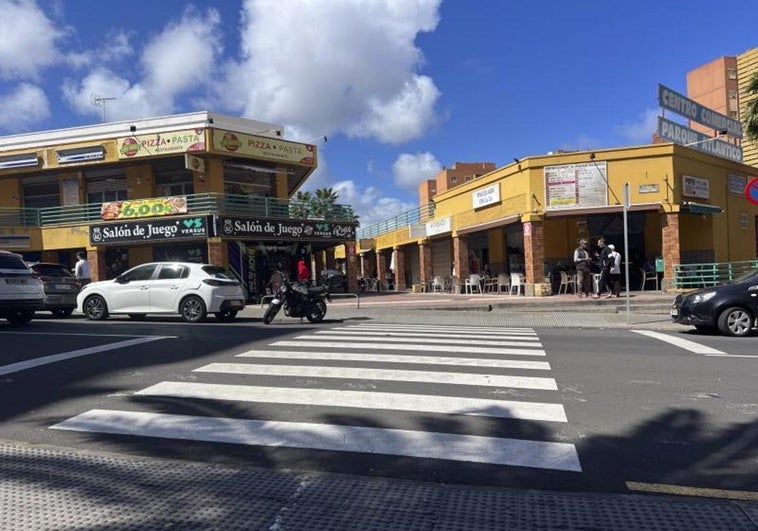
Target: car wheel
column 95, row 308
column 192, row 309
column 137, row 316
column 19, row 317
column 735, row 321
column 62, row 313
column 226, row 316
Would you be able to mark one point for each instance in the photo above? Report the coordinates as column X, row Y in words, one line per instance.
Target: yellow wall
column 139, row 181
column 10, row 193
column 69, row 237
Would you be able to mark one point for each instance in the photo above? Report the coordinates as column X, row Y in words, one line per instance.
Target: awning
column 609, row 209
column 489, row 224
column 688, row 207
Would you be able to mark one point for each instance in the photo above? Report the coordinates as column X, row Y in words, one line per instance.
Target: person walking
column 582, row 261
column 615, row 272
column 82, row 269
column 605, row 269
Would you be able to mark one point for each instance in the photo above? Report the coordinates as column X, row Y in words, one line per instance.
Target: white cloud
column 411, row 170
column 370, row 203
column 642, row 130
column 179, row 59
column 27, row 41
column 24, row 106
column 353, row 67
column 581, row 143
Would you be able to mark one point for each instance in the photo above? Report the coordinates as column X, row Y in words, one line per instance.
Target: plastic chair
column 438, row 284
column 503, row 281
column 517, row 281
column 648, row 276
column 473, row 283
column 566, row 282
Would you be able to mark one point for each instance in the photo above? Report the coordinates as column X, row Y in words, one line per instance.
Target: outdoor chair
column 566, row 283
column 517, row 282
column 438, row 284
column 648, row 276
column 503, row 282
column 473, row 283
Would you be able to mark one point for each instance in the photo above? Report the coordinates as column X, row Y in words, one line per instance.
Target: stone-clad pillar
column 460, row 257
column 672, row 253
column 381, row 268
column 425, row 262
column 399, row 269
column 534, row 252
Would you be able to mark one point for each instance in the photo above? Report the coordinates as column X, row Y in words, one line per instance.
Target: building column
column 351, row 267
column 425, row 262
column 216, row 252
column 317, row 264
column 534, row 252
column 330, row 262
column 381, row 267
column 399, row 269
column 670, row 242
column 460, row 257
column 98, row 267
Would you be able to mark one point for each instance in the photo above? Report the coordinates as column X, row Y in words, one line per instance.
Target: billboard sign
column 576, row 186
column 281, row 229
column 679, row 134
column 186, row 140
column 148, row 231
column 692, row 110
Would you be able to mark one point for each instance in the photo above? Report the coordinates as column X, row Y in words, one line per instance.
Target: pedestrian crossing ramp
column 395, row 373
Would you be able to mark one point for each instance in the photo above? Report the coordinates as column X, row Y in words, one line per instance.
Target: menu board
column 576, row 186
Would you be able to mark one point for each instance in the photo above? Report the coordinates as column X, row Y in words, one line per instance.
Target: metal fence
column 417, row 215
column 692, row 276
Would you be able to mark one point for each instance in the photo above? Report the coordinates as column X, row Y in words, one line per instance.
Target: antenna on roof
column 100, row 101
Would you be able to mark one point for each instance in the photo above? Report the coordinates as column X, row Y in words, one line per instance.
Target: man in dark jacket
column 606, row 262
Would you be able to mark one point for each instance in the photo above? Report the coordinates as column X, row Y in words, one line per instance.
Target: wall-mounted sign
column 695, row 187
column 485, row 196
column 744, row 220
column 142, row 208
column 193, row 163
column 417, row 230
column 284, row 229
column 649, row 188
column 679, row 134
column 263, row 147
column 148, row 231
column 751, row 191
column 439, row 226
column 576, row 185
column 186, row 140
column 737, row 184
column 692, row 110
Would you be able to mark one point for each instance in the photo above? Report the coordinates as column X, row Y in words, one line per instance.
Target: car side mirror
column 121, row 279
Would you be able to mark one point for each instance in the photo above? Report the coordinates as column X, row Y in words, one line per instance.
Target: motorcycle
column 298, row 300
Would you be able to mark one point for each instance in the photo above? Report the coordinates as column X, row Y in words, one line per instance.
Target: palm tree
column 323, row 202
column 300, row 205
column 750, row 117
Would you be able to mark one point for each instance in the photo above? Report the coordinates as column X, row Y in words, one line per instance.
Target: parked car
column 732, row 308
column 61, row 288
column 188, row 289
column 21, row 292
column 334, row 279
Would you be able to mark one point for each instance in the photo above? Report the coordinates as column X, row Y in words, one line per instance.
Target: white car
column 21, row 292
column 191, row 290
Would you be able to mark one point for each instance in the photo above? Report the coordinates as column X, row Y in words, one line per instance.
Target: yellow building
column 193, row 187
column 686, row 207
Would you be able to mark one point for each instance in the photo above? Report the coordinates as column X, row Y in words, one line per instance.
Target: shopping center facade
column 201, row 187
column 685, row 206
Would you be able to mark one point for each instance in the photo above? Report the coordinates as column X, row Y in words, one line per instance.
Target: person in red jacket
column 303, row 271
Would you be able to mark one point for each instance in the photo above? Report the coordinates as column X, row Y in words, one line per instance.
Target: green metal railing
column 417, row 215
column 692, row 276
column 209, row 203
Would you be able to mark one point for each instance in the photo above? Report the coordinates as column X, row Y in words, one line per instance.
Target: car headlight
column 703, row 297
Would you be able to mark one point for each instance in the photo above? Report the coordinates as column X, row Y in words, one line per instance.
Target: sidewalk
column 45, row 488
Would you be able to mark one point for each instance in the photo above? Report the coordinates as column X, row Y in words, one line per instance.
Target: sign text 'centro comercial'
column 679, row 134
column 692, row 110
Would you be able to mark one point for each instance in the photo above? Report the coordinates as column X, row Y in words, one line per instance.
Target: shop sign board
column 439, row 226
column 485, row 196
column 576, row 186
column 692, row 110
column 142, row 208
column 679, row 134
column 737, row 184
column 282, row 229
column 695, row 187
column 263, row 147
column 186, row 140
column 148, row 231
column 649, row 188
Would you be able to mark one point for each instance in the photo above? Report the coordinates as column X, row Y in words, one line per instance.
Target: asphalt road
column 608, row 410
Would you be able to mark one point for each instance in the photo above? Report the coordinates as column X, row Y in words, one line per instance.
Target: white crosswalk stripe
column 431, row 362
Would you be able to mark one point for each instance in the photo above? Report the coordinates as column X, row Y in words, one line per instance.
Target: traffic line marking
column 469, row 330
column 405, row 375
column 410, row 443
column 54, row 358
column 447, row 405
column 686, row 344
column 428, row 340
column 406, row 346
column 747, row 495
column 468, row 337
column 390, row 358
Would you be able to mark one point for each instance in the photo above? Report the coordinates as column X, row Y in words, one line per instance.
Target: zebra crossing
column 451, row 372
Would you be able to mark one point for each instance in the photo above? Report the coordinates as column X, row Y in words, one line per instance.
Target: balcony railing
column 693, row 276
column 417, row 215
column 209, row 203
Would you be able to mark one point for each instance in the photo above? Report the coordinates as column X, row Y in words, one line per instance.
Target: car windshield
column 11, row 261
column 52, row 270
column 216, row 272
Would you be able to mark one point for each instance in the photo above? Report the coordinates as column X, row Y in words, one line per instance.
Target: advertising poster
column 576, row 186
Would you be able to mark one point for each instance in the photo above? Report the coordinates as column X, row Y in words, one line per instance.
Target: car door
column 166, row 287
column 130, row 292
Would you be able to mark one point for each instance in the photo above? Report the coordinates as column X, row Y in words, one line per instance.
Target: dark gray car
column 61, row 288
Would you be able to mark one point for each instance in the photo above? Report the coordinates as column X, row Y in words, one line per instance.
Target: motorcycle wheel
column 270, row 313
column 316, row 312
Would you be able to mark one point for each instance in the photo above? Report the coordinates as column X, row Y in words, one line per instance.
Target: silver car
column 21, row 292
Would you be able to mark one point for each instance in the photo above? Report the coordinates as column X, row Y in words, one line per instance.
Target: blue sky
column 400, row 87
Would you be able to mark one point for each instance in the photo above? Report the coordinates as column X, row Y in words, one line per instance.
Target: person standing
column 615, row 272
column 82, row 269
column 582, row 261
column 605, row 269
column 303, row 271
